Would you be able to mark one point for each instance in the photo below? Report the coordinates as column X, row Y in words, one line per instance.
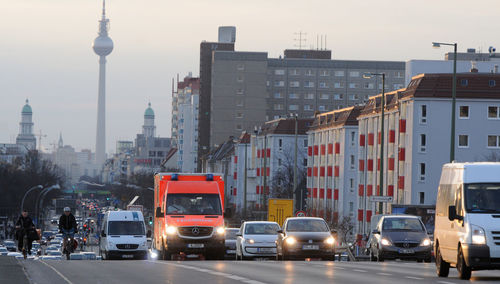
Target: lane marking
column 384, row 274
column 210, row 271
column 359, row 270
column 414, row 278
column 445, row 282
column 58, row 273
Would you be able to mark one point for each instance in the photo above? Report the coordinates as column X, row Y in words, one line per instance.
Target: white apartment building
column 332, row 177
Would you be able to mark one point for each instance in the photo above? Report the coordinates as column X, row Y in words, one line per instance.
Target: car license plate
column 310, row 247
column 406, row 251
column 127, row 256
column 230, row 251
column 196, row 245
column 265, row 250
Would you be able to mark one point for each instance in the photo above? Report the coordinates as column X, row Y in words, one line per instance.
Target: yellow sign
column 279, row 210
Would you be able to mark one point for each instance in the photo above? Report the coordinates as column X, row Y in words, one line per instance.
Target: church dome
column 27, row 108
column 149, row 113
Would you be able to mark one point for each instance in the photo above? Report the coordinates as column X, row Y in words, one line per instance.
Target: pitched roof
column 337, row 118
column 286, row 126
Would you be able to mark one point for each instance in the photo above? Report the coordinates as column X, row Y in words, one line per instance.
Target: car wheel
column 419, row 260
column 464, row 271
column 442, row 267
column 428, row 259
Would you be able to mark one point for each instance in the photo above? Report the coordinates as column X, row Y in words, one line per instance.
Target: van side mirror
column 103, row 234
column 375, row 232
column 452, row 213
column 159, row 214
column 280, row 231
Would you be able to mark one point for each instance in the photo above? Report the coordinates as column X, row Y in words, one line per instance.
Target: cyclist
column 24, row 225
column 67, row 226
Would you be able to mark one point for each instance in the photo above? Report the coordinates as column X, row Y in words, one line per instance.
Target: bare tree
column 344, row 227
column 282, row 181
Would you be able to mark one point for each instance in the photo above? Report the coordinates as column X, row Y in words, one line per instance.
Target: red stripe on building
column 401, row 182
column 402, row 125
column 329, row 193
column 378, row 190
column 369, row 190
column 309, row 171
column 257, row 189
column 234, row 191
column 390, row 190
column 309, row 151
column 323, row 149
column 329, row 171
column 315, row 150
column 392, row 136
column 258, row 153
column 309, row 193
column 378, row 138
column 322, row 171
column 336, row 194
column 235, row 176
column 269, row 153
column 361, row 165
column 315, row 171
column 360, row 215
column 321, row 193
column 336, row 171
column 258, row 172
column 402, row 153
column 361, row 189
column 370, row 139
column 378, row 164
column 390, row 164
column 362, row 140
column 315, row 192
column 330, row 148
column 370, row 165
column 235, row 159
column 337, row 148
column 368, row 215
column 268, row 170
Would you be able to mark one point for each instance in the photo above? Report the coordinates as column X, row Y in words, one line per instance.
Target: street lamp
column 245, row 177
column 39, row 200
column 26, row 194
column 295, row 117
column 382, row 116
column 453, row 96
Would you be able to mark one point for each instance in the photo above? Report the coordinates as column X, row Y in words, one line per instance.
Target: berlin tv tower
column 103, row 45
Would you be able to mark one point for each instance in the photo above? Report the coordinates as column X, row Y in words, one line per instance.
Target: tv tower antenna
column 300, row 39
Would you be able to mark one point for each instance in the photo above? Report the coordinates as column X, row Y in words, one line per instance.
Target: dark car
column 305, row 237
column 10, row 245
column 400, row 237
column 230, row 242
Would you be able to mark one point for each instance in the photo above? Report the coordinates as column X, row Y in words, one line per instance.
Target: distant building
column 227, row 34
column 10, row 152
column 26, row 136
column 123, row 146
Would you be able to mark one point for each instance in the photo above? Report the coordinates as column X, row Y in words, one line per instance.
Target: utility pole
column 264, row 193
column 245, row 174
column 295, row 165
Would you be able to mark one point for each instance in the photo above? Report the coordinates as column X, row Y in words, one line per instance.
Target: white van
column 123, row 235
column 467, row 232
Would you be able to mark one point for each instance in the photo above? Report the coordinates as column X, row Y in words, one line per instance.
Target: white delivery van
column 467, row 225
column 123, row 235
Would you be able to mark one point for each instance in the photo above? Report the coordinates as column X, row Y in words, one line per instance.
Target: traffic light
column 150, row 220
column 107, row 198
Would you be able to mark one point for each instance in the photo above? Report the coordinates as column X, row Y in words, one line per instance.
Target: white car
column 3, row 251
column 257, row 239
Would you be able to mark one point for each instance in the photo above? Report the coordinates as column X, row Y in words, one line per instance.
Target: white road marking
column 384, row 274
column 445, row 282
column 58, row 273
column 414, row 278
column 359, row 270
column 213, row 272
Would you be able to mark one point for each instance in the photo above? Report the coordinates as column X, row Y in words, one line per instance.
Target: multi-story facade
column 417, row 137
column 186, row 140
column 332, row 177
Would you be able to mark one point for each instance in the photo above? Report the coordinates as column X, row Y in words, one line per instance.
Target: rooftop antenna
column 317, row 42
column 40, row 135
column 325, row 42
column 301, row 39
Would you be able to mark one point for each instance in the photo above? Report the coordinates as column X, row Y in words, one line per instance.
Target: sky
column 46, row 54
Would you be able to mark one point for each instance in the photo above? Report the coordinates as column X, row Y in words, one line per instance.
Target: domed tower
column 149, row 128
column 103, row 45
column 26, row 136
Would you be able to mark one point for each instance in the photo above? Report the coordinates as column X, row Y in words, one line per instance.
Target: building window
column 239, row 127
column 293, row 107
column 309, row 96
column 276, row 117
column 422, row 197
column 240, row 103
column 321, row 108
column 278, row 107
column 324, row 97
column 369, row 86
column 240, row 67
column 463, row 141
column 309, row 72
column 464, row 82
column 294, row 72
column 323, row 85
column 423, row 114
column 308, row 107
column 324, row 73
column 493, row 141
column 353, row 138
column 305, row 163
column 279, row 72
column 240, row 78
column 280, row 144
column 239, row 115
column 338, row 85
column 305, row 143
column 352, row 162
column 354, row 74
column 398, row 74
column 239, row 92
column 493, row 112
column 278, row 95
column 464, row 112
column 339, row 73
column 492, row 83
column 353, row 97
column 295, row 84
column 338, row 96
column 423, row 143
column 152, row 153
column 353, row 85
column 309, row 84
column 279, row 83
column 293, row 96
column 422, row 171
column 351, row 184
column 397, row 86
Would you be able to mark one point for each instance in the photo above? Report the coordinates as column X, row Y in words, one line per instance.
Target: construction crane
column 40, row 135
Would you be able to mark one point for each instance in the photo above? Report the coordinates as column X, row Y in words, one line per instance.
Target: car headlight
column 170, row 230
column 330, row 240
column 426, row 242
column 220, row 230
column 478, row 236
column 249, row 241
column 385, row 242
column 290, row 241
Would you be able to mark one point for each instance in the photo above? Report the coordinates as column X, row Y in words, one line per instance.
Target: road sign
column 279, row 210
column 385, row 199
column 300, row 213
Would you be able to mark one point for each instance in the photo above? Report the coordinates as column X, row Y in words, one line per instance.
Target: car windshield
column 402, row 224
column 306, row 225
column 8, row 243
column 126, row 228
column 482, row 197
column 231, row 234
column 193, row 204
column 261, row 229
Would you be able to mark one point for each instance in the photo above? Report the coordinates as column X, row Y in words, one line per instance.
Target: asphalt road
column 233, row 272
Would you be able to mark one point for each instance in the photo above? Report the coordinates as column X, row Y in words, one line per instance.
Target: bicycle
column 25, row 244
column 69, row 245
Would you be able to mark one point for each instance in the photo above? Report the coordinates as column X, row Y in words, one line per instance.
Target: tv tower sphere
column 103, row 45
